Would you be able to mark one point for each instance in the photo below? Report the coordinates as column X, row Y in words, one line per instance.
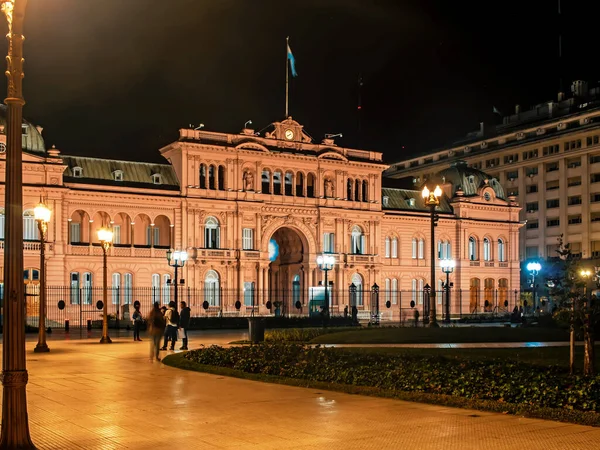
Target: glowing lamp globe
column 42, row 213
column 105, row 235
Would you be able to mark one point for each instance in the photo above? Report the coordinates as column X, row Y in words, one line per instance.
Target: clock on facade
column 289, row 135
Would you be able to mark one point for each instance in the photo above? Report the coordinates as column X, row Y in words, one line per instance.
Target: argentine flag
column 290, row 57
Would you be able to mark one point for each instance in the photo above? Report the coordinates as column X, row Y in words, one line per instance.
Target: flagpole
column 287, row 77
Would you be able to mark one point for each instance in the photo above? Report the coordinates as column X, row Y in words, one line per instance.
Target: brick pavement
column 92, row 396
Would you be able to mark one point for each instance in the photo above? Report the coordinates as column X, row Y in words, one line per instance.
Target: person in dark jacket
column 184, row 323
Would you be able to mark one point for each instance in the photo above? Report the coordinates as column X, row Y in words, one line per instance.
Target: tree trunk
column 588, row 344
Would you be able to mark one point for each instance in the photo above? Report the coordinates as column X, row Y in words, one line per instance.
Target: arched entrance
column 288, row 249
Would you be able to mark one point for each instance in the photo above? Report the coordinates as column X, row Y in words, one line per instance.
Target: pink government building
column 253, row 211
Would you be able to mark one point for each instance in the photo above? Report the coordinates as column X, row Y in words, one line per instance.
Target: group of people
column 163, row 322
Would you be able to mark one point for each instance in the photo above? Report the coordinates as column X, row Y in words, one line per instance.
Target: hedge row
column 503, row 382
column 211, row 323
column 300, row 334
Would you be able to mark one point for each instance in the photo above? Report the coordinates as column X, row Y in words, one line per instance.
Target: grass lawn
column 541, row 356
column 451, row 335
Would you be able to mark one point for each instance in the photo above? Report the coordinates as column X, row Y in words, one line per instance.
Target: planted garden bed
column 519, row 388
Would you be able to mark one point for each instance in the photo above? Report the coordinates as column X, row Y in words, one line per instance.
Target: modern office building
column 253, row 212
column 548, row 160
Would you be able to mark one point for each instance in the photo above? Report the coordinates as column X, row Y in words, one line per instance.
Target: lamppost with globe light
column 14, row 430
column 447, row 267
column 585, row 274
column 326, row 263
column 105, row 236
column 432, row 199
column 534, row 269
column 176, row 259
column 42, row 216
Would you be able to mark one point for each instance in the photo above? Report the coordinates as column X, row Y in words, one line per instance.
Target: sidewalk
column 86, row 395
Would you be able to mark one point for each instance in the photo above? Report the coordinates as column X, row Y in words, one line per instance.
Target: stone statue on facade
column 248, row 181
column 329, row 190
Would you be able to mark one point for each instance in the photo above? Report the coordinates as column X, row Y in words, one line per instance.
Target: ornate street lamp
column 325, row 263
column 585, row 274
column 105, row 236
column 176, row 259
column 42, row 216
column 447, row 267
column 534, row 269
column 432, row 199
column 14, row 431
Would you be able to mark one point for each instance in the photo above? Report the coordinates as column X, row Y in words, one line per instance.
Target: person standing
column 138, row 320
column 156, row 328
column 184, row 324
column 172, row 319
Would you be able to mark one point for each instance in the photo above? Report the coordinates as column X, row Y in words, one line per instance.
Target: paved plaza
column 92, row 396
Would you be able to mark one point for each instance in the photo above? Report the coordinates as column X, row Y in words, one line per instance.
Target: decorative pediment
column 331, row 154
column 252, row 146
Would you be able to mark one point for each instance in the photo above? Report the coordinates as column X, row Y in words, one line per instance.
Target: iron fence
column 79, row 305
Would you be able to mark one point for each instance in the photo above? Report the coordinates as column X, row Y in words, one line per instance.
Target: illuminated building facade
column 253, row 212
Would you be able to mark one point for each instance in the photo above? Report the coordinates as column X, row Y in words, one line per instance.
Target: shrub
column 499, row 381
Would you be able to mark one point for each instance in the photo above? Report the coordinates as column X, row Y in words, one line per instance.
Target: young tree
column 571, row 290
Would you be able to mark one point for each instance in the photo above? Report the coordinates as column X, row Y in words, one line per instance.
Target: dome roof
column 32, row 136
column 468, row 179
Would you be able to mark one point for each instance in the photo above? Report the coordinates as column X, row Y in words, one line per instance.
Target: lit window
column 77, row 172
column 118, row 175
column 157, row 178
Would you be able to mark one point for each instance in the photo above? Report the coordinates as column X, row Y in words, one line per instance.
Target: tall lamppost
column 447, row 267
column 176, row 259
column 42, row 216
column 534, row 269
column 432, row 199
column 585, row 274
column 325, row 263
column 105, row 236
column 14, row 431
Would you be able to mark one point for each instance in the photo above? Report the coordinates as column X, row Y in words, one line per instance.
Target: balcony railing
column 33, row 246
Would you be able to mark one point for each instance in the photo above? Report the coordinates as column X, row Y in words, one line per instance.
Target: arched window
column 388, row 290
column 503, row 293
column 421, row 248
column 221, row 178
column 444, row 250
column 87, row 288
column 212, row 288
column 394, row 291
column 211, row 233
column 74, row 288
column 487, row 251
column 203, row 175
column 277, row 190
column 266, row 181
column 116, row 288
column 127, row 288
column 155, row 288
column 420, row 288
column 501, row 250
column 474, row 295
column 349, row 191
column 289, row 180
column 299, row 184
column 249, row 289
column 414, row 249
column 358, row 282
column 387, row 247
column 211, row 178
column 489, row 284
column 357, row 185
column 365, row 191
column 472, row 248
column 357, row 241
column 30, row 229
column 394, row 247
column 310, row 185
column 414, row 288
column 166, row 287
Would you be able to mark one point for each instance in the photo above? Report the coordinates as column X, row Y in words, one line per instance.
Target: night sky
column 118, row 78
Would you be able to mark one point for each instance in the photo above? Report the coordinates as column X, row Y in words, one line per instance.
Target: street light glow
column 437, row 192
column 325, row 262
column 42, row 213
column 425, row 192
column 585, row 273
column 105, row 235
column 534, row 267
column 447, row 265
